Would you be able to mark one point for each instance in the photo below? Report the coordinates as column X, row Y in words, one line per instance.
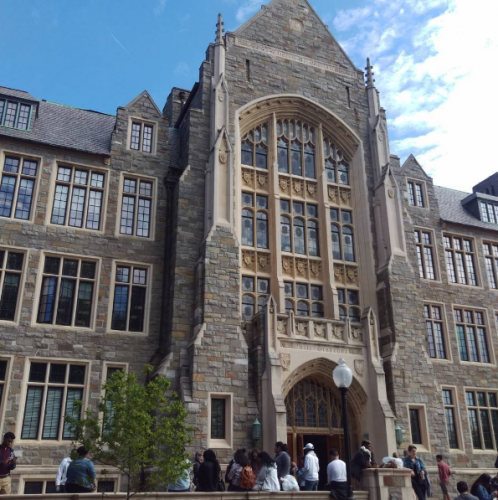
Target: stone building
column 242, row 241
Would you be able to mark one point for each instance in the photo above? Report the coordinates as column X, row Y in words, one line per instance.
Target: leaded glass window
column 483, row 417
column 254, row 148
column 450, row 417
column 460, row 260
column 137, row 207
column 434, row 329
column 11, row 267
column 218, row 418
column 472, row 336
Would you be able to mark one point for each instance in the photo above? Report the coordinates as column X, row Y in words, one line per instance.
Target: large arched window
column 290, row 201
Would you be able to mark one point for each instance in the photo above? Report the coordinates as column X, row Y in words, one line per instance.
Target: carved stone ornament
column 351, row 274
column 223, row 157
column 248, row 260
column 296, row 24
column 247, row 178
column 285, row 360
column 338, row 332
column 337, row 273
column 345, row 195
column 332, row 195
column 298, row 187
column 319, row 329
column 359, row 367
column 311, row 188
column 261, row 179
column 301, row 267
column 281, row 326
column 315, row 268
column 301, row 328
column 390, row 192
column 286, row 265
column 356, row 333
column 263, row 261
column 283, row 184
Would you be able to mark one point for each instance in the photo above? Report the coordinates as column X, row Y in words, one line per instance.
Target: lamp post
column 343, row 377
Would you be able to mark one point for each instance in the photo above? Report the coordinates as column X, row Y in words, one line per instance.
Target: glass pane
column 94, row 209
column 123, row 274
column 298, row 208
column 247, row 306
column 283, row 156
column 24, row 199
column 462, row 346
column 72, row 410
column 336, row 242
column 105, row 486
column 64, row 174
column 247, row 228
column 7, row 188
column 70, row 268
column 47, row 300
column 247, row 199
column 127, row 215
column 32, row 413
column 77, row 374
column 218, row 425
column 147, row 144
column 81, row 177
column 50, row 487
column 246, row 154
column 52, row 413
column 139, row 276
column 302, row 309
column 120, row 308
column 415, row 426
column 486, row 430
column 313, row 241
column 470, row 398
column 285, row 230
column 289, row 289
column 137, row 309
column 262, row 230
column 144, row 216
column 474, row 429
column 60, row 204
column 14, row 261
column 8, row 297
column 88, row 270
column 261, row 156
column 316, row 292
column 97, row 180
column 451, row 427
column 84, row 305
column 130, row 186
column 347, row 234
column 430, row 339
column 3, row 371
column 247, row 284
column 66, row 302
column 261, row 201
column 135, row 136
column 285, row 206
column 299, row 243
column 301, row 291
column 37, row 372
column 447, row 399
column 33, row 487
column 309, row 161
column 57, row 374
column 263, row 286
column 23, row 118
column 11, row 165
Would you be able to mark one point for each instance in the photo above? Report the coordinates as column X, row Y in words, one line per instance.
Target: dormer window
column 489, row 211
column 141, row 136
column 14, row 114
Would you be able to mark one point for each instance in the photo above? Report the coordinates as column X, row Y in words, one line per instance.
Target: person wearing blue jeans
column 311, row 468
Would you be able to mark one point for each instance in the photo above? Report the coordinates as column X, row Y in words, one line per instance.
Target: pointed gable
column 144, row 100
column 295, row 27
column 412, row 168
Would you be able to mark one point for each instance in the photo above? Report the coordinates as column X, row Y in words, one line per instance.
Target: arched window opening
column 254, row 148
column 317, row 310
column 283, row 156
column 347, row 238
column 247, row 306
column 343, row 173
column 296, row 159
column 247, row 227
column 302, row 308
column 336, row 242
column 262, row 227
column 289, row 306
column 313, row 244
column 349, row 301
column 309, row 161
column 299, row 245
column 285, row 230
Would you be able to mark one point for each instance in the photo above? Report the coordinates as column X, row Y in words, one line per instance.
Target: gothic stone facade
column 242, row 241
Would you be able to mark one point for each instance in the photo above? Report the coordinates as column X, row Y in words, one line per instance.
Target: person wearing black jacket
column 8, row 463
column 197, row 463
column 208, row 476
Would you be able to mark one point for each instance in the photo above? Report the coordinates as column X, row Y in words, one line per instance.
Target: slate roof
column 452, row 210
column 64, row 126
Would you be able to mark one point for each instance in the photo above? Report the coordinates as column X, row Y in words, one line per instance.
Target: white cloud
column 160, row 7
column 245, row 11
column 182, row 69
column 346, row 19
column 436, row 73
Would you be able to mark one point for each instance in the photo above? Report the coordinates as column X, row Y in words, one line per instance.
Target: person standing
column 419, row 472
column 311, row 468
column 463, row 489
column 444, row 476
column 81, row 473
column 299, row 472
column 255, row 462
column 240, row 461
column 182, row 484
column 198, row 459
column 8, row 462
column 61, row 476
column 482, row 488
column 208, row 477
column 268, row 479
column 337, row 478
column 362, row 460
column 282, row 459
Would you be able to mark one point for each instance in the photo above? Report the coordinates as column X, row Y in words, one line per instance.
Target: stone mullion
column 331, row 309
column 277, row 281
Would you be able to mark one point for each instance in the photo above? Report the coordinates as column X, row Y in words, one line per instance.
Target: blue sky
column 435, row 62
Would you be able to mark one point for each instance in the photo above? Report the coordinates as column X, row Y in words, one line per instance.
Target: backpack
column 247, row 479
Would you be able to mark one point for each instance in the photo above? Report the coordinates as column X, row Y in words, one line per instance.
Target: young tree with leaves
column 138, row 430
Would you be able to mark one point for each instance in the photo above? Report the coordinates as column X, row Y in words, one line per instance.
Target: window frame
column 24, row 391
column 47, row 478
column 456, row 417
column 486, row 326
column 425, row 446
column 4, row 153
column 453, row 252
column 19, row 102
column 23, row 274
column 142, row 122
column 153, row 206
column 255, row 294
column 52, row 191
column 494, row 263
column 148, row 297
column 39, row 283
column 446, row 335
column 340, row 226
column 423, row 246
column 475, row 390
column 255, row 211
column 486, row 212
column 226, row 443
column 6, row 385
column 309, row 301
column 423, row 191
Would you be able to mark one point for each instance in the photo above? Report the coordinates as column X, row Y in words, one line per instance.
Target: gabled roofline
column 264, row 8
column 144, row 93
column 412, row 158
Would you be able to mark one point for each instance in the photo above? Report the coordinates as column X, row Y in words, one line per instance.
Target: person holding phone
column 8, row 462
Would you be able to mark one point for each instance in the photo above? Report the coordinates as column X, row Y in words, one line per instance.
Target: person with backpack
column 240, row 472
column 268, row 477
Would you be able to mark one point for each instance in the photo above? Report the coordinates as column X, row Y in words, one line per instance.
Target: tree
column 138, row 430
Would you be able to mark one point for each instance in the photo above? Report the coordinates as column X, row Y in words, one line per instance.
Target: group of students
column 256, row 471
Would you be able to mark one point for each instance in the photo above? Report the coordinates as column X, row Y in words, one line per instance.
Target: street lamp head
column 342, row 375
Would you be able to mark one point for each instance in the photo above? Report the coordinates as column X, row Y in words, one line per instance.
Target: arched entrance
column 314, row 412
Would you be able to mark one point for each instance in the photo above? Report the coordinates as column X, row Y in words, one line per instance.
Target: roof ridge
column 452, row 189
column 76, row 107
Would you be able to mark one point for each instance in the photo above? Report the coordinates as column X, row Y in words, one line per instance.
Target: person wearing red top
column 444, row 476
column 7, row 463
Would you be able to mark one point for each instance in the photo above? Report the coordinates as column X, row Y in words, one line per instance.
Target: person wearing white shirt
column 61, row 476
column 337, row 478
column 311, row 468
